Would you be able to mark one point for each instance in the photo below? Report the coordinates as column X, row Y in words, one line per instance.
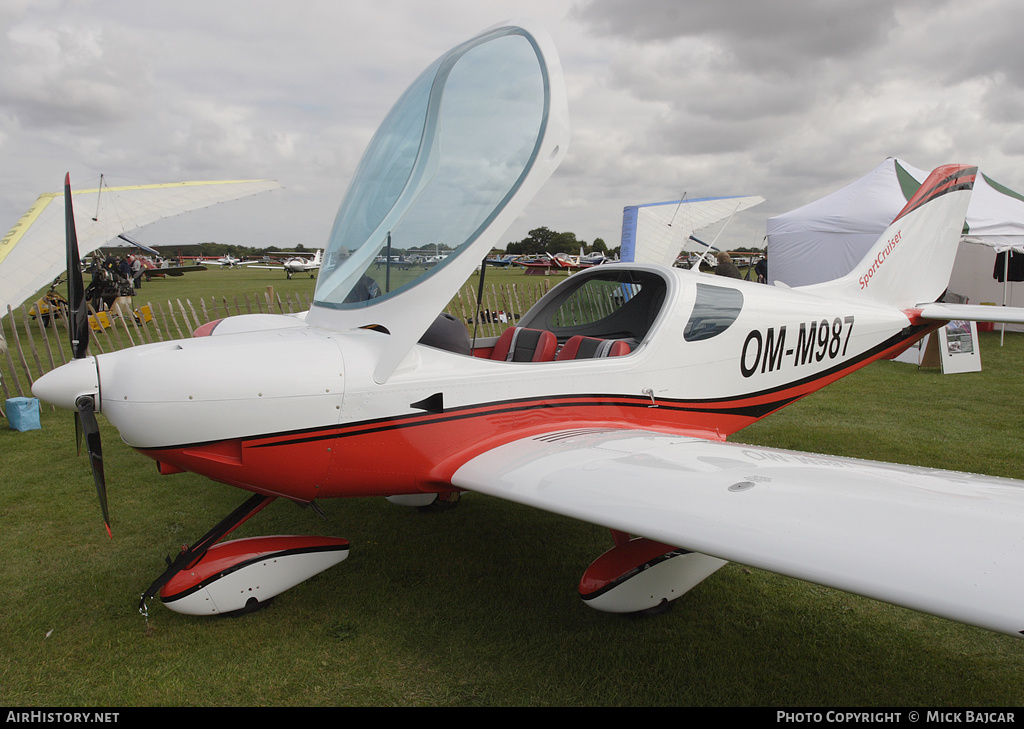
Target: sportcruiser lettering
column 883, row 254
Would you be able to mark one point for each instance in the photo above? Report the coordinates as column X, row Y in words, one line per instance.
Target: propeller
column 77, row 305
column 86, row 415
column 78, row 328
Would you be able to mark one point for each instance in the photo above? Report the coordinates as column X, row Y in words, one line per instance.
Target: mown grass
column 478, row 606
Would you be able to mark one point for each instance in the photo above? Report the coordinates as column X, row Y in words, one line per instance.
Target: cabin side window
column 714, row 310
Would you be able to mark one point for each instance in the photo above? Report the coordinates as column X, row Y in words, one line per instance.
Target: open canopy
column 454, row 162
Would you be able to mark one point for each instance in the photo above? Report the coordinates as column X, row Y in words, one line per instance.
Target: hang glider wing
column 658, row 232
column 32, row 254
column 940, row 542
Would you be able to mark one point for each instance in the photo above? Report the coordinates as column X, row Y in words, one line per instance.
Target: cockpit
column 604, row 312
column 609, row 311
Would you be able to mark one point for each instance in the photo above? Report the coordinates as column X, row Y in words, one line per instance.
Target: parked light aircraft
column 161, row 268
column 610, row 401
column 153, row 270
column 297, row 264
column 228, row 261
column 502, row 261
column 557, row 262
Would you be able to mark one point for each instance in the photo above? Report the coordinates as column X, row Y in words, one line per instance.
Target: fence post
column 152, row 313
column 195, row 316
column 10, row 360
column 184, row 315
column 170, row 309
column 46, row 337
column 21, row 354
column 31, row 340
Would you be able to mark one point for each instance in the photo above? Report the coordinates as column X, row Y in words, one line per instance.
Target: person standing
column 761, row 269
column 726, row 267
column 136, row 272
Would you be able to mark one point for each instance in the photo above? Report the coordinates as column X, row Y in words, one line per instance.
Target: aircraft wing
column 972, row 312
column 658, row 232
column 172, row 270
column 32, row 254
column 945, row 543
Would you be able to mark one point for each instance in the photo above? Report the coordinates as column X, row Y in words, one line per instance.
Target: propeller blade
column 86, row 411
column 78, row 321
column 78, row 313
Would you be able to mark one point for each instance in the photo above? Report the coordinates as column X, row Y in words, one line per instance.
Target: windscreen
column 446, row 160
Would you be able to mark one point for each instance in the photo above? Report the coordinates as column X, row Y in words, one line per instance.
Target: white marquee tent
column 827, row 238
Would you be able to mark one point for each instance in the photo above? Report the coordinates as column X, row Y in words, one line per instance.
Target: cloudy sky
column 790, row 100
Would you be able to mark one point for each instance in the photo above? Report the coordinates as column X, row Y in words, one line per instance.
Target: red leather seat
column 579, row 347
column 518, row 344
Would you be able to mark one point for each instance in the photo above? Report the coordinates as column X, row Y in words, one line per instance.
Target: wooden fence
column 36, row 346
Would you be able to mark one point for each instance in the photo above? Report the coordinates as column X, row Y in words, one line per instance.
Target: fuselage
column 277, row 406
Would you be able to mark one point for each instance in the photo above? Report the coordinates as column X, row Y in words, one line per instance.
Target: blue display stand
column 23, row 413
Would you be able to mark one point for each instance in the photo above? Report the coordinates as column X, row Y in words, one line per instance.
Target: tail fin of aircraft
column 911, row 262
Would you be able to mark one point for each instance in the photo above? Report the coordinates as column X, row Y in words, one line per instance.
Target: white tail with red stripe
column 911, row 262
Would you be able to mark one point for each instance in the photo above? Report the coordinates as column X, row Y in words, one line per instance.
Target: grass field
column 478, row 606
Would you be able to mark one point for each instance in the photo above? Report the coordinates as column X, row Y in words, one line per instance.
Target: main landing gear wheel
column 662, row 608
column 252, row 605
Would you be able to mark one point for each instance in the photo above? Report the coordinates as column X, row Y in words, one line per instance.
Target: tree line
column 543, row 240
column 537, row 242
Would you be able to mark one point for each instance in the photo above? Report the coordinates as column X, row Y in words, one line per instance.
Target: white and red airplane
column 610, row 401
column 228, row 261
column 296, row 264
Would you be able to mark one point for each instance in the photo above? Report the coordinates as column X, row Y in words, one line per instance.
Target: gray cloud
column 761, row 37
column 790, row 100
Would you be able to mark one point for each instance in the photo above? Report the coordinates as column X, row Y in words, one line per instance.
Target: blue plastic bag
column 23, row 413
